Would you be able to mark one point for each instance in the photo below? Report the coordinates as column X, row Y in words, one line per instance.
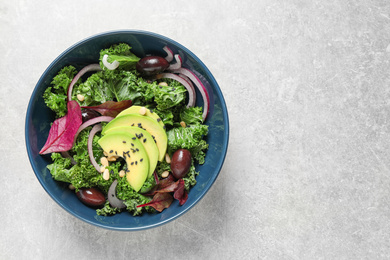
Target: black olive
column 151, row 65
column 87, row 114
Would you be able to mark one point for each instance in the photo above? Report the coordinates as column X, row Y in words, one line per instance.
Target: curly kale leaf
column 186, row 137
column 192, row 115
column 114, row 85
column 121, row 53
column 55, row 96
column 131, row 198
column 169, row 96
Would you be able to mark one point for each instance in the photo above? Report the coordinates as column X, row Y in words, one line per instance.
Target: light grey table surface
column 307, row 89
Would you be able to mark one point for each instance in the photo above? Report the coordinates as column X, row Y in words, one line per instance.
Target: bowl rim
column 216, row 89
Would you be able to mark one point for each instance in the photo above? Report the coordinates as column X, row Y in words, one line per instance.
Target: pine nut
column 165, row 174
column 163, row 84
column 106, row 174
column 102, row 169
column 122, row 173
column 104, row 161
column 71, row 187
column 183, row 124
column 111, row 158
column 80, row 97
column 167, row 158
column 142, row 111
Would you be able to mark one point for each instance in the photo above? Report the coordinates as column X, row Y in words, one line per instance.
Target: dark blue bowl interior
column 39, row 117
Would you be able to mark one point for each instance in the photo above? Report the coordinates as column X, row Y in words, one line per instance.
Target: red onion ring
column 112, row 198
column 66, row 154
column 187, row 79
column 190, row 88
column 94, row 130
column 91, row 67
column 176, row 65
column 110, row 66
column 169, row 52
column 92, row 121
column 202, row 89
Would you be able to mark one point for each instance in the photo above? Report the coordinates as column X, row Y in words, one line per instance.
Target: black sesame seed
column 111, row 151
column 124, row 142
column 132, row 124
column 133, row 137
column 136, row 162
column 151, row 111
column 139, row 125
column 144, row 140
column 137, row 149
column 158, row 119
column 141, row 159
column 132, row 144
column 132, row 163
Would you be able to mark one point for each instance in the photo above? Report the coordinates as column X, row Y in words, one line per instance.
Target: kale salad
column 127, row 133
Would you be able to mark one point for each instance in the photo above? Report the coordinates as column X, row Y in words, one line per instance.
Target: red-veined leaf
column 159, row 202
column 180, row 192
column 63, row 130
column 111, row 108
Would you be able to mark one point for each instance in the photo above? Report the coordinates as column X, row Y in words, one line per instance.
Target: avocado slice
column 128, row 146
column 136, row 110
column 146, row 140
column 146, row 123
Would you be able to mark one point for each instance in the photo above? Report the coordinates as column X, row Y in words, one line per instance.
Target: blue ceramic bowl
column 39, row 117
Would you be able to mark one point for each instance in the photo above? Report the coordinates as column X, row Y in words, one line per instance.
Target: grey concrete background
column 306, row 83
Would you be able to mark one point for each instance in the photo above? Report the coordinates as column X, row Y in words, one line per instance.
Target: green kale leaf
column 186, row 137
column 55, row 96
column 114, row 85
column 192, row 115
column 169, row 96
column 121, row 53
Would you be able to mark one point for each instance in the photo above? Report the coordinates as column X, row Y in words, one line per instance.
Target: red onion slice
column 176, row 65
column 110, row 66
column 202, row 89
column 187, row 79
column 190, row 88
column 94, row 130
column 169, row 52
column 92, row 121
column 112, row 198
column 66, row 154
column 91, row 67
